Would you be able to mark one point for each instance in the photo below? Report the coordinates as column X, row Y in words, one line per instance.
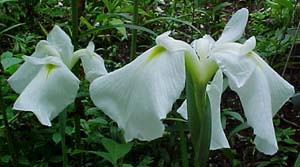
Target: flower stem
column 62, row 121
column 183, row 145
column 8, row 133
column 78, row 104
column 134, row 31
column 198, row 74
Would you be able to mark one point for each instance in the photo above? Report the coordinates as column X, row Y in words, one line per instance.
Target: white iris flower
column 45, row 81
column 141, row 93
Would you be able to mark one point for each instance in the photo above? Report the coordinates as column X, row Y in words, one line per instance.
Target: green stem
column 134, row 31
column 63, row 121
column 198, row 74
column 78, row 104
column 8, row 133
column 9, row 138
column 75, row 24
column 183, row 145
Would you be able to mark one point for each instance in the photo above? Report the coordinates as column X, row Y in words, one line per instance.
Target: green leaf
column 104, row 155
column 234, row 115
column 116, row 150
column 7, row 60
column 175, row 20
column 121, row 30
column 238, row 129
column 97, row 121
column 106, row 27
column 127, row 165
column 11, row 27
column 56, row 137
column 5, row 158
column 285, row 3
column 297, row 162
column 86, row 23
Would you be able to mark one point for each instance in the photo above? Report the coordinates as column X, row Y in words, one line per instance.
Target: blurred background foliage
column 111, row 25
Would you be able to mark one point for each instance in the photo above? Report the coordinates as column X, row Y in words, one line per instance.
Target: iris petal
column 235, row 27
column 62, row 42
column 280, row 89
column 49, row 92
column 93, row 64
column 237, row 67
column 141, row 93
column 214, row 91
column 255, row 96
column 27, row 71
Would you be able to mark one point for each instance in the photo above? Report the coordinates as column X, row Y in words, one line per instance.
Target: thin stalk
column 8, row 134
column 78, row 104
column 183, row 145
column 63, row 121
column 75, row 23
column 290, row 52
column 134, row 31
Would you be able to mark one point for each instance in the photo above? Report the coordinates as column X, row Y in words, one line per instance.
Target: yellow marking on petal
column 49, row 68
column 155, row 52
column 251, row 56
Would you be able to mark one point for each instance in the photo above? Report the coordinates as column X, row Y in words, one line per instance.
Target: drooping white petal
column 214, row 91
column 50, row 91
column 62, row 42
column 27, row 71
column 93, row 64
column 141, row 93
column 255, row 96
column 280, row 89
column 235, row 28
column 237, row 67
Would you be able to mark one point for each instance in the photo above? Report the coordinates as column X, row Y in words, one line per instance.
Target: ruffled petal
column 236, row 66
column 173, row 45
column 27, row 71
column 235, row 28
column 50, row 91
column 214, row 91
column 203, row 46
column 141, row 93
column 62, row 42
column 255, row 96
column 280, row 89
column 93, row 64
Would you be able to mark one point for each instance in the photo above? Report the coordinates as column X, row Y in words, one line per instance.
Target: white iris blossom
column 45, row 81
column 141, row 93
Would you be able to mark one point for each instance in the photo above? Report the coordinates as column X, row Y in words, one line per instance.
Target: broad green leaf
column 56, row 137
column 116, row 150
column 7, row 60
column 121, row 30
column 5, row 158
